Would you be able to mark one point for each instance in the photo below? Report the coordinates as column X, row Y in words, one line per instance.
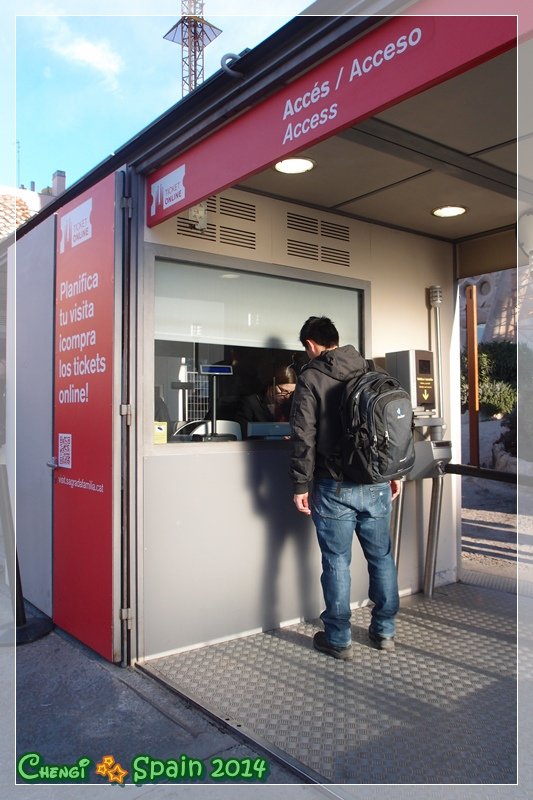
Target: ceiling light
column 449, row 211
column 294, row 166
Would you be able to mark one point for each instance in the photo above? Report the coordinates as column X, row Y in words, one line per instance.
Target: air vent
column 238, row 209
column 333, row 256
column 185, row 227
column 334, row 231
column 302, row 249
column 297, row 222
column 237, row 238
column 212, row 204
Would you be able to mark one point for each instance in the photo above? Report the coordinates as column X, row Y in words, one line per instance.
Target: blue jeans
column 339, row 509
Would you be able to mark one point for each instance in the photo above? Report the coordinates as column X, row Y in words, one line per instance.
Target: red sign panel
column 392, row 62
column 522, row 9
column 83, row 417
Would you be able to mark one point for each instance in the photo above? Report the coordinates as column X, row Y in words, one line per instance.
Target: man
column 339, row 507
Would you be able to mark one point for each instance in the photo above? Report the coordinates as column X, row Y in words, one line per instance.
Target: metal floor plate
column 440, row 709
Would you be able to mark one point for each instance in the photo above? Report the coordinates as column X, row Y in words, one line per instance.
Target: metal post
column 435, row 299
column 433, row 535
column 214, row 408
column 473, row 374
column 396, row 525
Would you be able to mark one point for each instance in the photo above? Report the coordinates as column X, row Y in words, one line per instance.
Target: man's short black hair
column 321, row 330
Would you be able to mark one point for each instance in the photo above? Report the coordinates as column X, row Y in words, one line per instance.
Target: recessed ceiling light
column 449, row 211
column 294, row 166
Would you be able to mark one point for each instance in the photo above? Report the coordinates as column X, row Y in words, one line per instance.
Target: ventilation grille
column 232, row 222
column 333, row 256
column 218, row 208
column 302, row 249
column 238, row 209
column 316, row 232
column 185, row 227
column 212, row 203
column 335, row 231
column 296, row 222
column 237, row 238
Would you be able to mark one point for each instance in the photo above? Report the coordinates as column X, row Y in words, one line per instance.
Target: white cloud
column 98, row 56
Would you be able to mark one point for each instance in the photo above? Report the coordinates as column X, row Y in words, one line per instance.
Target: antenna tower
column 194, row 34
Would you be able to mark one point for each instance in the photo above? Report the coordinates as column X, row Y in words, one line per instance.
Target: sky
column 79, row 78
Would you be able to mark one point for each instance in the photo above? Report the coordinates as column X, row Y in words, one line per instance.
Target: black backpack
column 377, row 428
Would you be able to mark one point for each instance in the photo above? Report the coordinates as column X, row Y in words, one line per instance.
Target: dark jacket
column 315, row 415
column 253, row 408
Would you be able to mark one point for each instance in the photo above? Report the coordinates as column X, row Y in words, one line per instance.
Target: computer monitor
column 268, row 430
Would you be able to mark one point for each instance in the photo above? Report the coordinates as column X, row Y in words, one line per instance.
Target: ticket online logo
column 168, row 191
column 76, row 226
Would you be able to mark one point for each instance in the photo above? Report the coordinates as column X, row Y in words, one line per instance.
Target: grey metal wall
column 225, row 551
column 34, row 411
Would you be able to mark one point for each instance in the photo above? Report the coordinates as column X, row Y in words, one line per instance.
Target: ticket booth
column 182, row 273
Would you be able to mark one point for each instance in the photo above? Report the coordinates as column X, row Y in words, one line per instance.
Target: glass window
column 207, row 316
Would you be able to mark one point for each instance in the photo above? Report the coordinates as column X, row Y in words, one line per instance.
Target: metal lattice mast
column 194, row 34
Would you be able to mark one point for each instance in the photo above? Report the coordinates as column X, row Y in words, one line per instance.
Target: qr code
column 65, row 450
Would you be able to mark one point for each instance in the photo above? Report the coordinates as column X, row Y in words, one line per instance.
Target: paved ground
column 489, row 538
column 489, row 515
column 71, row 703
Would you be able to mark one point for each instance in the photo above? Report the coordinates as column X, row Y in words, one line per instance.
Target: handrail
column 489, row 474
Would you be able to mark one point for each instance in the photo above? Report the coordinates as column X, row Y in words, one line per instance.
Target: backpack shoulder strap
column 371, row 366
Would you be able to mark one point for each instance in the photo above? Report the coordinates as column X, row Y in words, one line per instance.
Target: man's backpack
column 377, row 423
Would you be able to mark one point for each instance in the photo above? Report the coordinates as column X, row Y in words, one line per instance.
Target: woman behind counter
column 273, row 404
